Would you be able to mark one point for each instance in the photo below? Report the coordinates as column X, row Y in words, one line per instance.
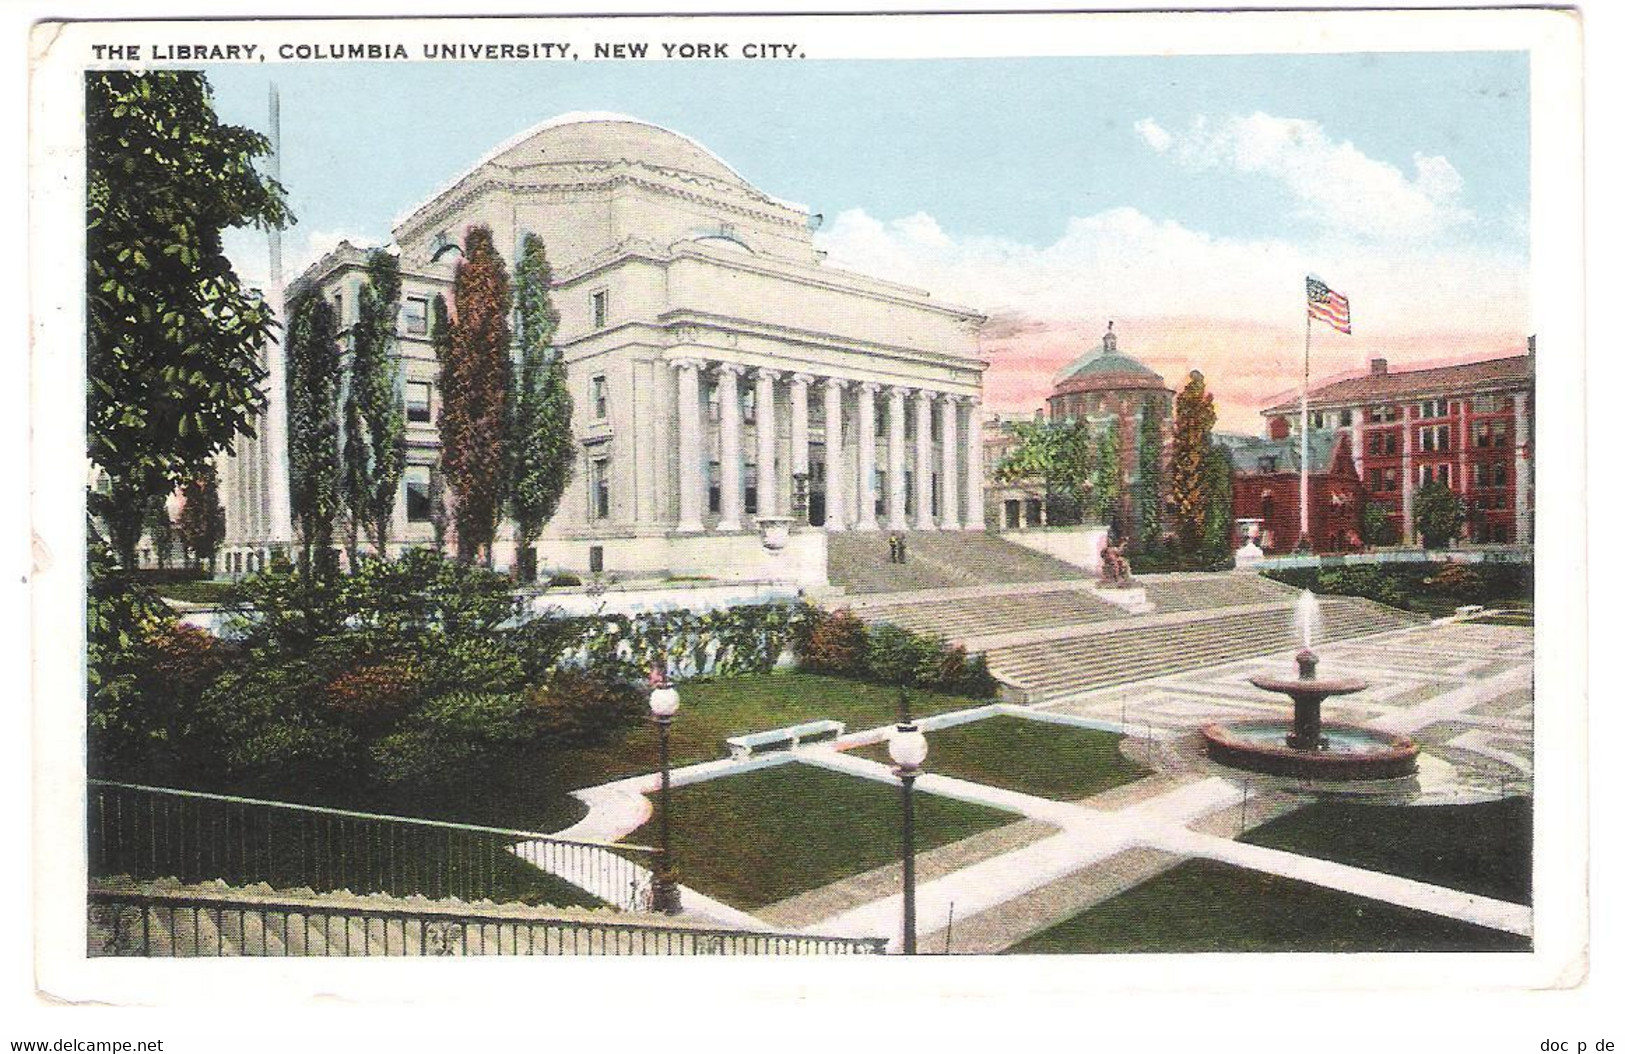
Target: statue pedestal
column 1130, row 598
column 1247, row 556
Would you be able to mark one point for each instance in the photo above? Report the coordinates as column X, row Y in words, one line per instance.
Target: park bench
column 745, row 745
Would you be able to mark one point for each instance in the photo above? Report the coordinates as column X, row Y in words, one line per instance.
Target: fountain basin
column 1345, row 752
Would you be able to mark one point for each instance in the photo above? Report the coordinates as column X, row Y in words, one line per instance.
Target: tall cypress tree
column 1148, row 487
column 1188, row 475
column 440, row 502
column 375, row 418
column 541, row 448
column 474, row 387
column 314, row 364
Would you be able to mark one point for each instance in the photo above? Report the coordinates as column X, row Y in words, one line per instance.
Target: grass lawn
column 1032, row 757
column 1485, row 848
column 533, row 793
column 1202, row 906
column 762, row 836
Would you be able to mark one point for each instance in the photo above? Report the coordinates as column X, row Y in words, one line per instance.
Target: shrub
column 1359, row 581
column 1439, row 515
column 582, row 707
column 977, row 681
column 895, row 654
column 942, row 666
column 374, row 694
column 1392, row 593
column 440, row 739
column 1459, row 581
column 564, row 578
column 836, row 644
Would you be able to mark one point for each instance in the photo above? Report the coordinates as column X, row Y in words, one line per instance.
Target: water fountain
column 1306, row 746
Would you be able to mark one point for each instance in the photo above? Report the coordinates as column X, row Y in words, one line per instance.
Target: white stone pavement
column 1087, row 836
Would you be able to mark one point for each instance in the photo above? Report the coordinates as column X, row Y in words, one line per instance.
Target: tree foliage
column 474, row 382
column 172, row 338
column 202, row 523
column 1438, row 513
column 1189, row 476
column 1148, row 489
column 1107, row 478
column 541, row 448
column 314, row 364
column 375, row 419
column 1217, row 529
column 1059, row 453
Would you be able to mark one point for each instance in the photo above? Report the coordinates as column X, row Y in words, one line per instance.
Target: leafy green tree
column 1059, row 453
column 1189, row 478
column 1438, row 514
column 172, row 339
column 1148, row 496
column 160, row 528
column 474, row 382
column 1374, row 526
column 1107, row 479
column 540, row 445
column 314, row 366
column 203, row 520
column 374, row 416
column 1217, row 530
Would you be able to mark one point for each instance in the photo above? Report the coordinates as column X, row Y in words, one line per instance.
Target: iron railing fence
column 158, row 832
column 183, row 925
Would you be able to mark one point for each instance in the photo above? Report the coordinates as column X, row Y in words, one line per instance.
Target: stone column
column 896, row 499
column 866, row 456
column 729, row 445
column 689, row 452
column 1523, row 508
column 767, row 442
column 799, row 383
column 975, row 501
column 923, row 520
column 834, row 483
column 1357, row 439
column 950, row 463
column 1407, row 485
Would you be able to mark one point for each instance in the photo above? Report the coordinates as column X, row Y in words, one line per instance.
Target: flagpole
column 1303, row 436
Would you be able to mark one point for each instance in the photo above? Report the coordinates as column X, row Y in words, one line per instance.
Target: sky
column 1182, row 198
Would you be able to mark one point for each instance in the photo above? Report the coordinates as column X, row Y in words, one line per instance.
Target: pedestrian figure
column 892, row 545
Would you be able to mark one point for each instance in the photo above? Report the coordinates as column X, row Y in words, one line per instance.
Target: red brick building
column 1470, row 427
column 1265, row 487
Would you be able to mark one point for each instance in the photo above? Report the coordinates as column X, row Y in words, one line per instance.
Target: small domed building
column 1103, row 386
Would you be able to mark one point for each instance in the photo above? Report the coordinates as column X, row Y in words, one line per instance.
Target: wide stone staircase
column 1150, row 646
column 859, row 562
column 1201, row 592
column 989, row 614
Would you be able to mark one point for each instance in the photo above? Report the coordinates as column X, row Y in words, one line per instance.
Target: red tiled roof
column 1415, row 384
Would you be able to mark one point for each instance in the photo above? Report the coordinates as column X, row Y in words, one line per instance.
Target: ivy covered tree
column 1438, row 513
column 374, row 416
column 1148, row 491
column 541, row 448
column 314, row 364
column 474, row 384
column 202, row 523
column 1189, row 469
column 1217, row 530
column 440, row 501
column 1107, row 479
column 172, row 338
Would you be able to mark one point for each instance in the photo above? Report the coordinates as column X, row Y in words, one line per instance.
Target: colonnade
column 958, row 451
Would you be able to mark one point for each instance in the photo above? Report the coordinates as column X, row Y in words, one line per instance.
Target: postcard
column 1053, row 495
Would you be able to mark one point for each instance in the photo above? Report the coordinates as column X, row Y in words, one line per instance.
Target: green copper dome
column 1106, row 359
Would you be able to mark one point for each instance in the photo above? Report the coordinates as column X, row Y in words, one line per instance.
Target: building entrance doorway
column 815, row 484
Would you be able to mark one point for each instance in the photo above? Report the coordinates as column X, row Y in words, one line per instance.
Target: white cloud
column 246, row 248
column 1154, row 134
column 1122, row 262
column 1334, row 184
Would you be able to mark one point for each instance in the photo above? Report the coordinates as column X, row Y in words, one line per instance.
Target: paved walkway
column 1000, row 886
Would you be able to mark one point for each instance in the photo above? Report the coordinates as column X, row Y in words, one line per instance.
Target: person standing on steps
column 891, row 545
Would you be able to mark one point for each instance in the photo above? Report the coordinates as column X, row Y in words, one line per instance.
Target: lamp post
column 907, row 749
column 663, row 895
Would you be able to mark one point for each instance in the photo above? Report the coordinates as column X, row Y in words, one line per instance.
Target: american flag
column 1330, row 307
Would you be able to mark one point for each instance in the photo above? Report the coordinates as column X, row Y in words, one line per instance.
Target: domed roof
column 578, row 137
column 1104, row 367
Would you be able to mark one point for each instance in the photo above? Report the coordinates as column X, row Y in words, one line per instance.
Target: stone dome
column 576, row 138
column 1104, row 368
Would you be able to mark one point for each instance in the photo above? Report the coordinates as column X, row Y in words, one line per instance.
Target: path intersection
column 1464, row 691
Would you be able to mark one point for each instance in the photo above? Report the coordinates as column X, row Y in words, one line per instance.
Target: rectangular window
column 1499, row 474
column 1481, row 436
column 714, row 486
column 1383, row 414
column 338, row 309
column 415, row 315
column 1317, row 420
column 1486, row 404
column 1390, row 479
column 750, row 487
column 881, row 492
column 600, row 488
column 1444, row 437
column 600, row 397
column 1478, row 474
column 1427, row 440
column 1374, row 445
column 1498, row 433
column 600, row 308
column 1392, row 445
column 418, row 483
column 1444, row 474
column 1345, row 417
column 418, row 396
column 1425, row 474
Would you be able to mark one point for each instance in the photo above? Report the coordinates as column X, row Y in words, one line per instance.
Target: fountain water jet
column 1307, row 746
